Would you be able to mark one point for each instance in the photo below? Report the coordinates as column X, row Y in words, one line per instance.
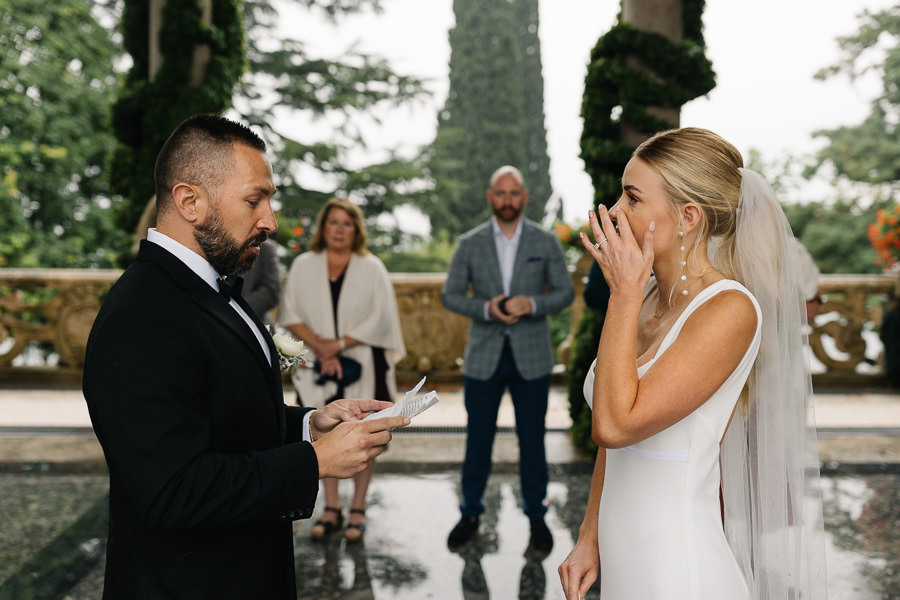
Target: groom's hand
column 351, row 446
column 327, row 418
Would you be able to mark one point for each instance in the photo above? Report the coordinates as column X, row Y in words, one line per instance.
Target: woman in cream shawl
column 339, row 300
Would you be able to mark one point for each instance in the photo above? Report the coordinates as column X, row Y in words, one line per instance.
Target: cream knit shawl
column 367, row 312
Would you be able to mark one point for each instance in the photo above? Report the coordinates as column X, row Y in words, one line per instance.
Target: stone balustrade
column 53, row 309
column 50, row 308
column 844, row 336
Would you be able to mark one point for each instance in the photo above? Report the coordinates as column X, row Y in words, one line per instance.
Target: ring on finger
column 600, row 243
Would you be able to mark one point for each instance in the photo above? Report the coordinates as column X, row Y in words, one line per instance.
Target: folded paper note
column 409, row 405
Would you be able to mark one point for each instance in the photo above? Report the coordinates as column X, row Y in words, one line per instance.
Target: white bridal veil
column 769, row 459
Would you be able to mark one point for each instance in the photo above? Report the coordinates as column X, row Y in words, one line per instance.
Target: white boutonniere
column 291, row 352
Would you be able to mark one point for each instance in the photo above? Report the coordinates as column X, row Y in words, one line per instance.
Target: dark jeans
column 482, row 399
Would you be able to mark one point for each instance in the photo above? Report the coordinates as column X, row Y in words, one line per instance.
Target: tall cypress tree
column 537, row 167
column 493, row 115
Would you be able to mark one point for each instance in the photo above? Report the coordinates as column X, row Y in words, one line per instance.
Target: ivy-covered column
column 187, row 57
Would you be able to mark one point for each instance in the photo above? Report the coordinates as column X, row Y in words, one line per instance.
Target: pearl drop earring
column 684, row 292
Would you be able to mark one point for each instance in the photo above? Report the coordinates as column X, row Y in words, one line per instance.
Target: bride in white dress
column 699, row 389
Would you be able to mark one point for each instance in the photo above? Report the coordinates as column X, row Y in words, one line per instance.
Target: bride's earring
column 684, row 292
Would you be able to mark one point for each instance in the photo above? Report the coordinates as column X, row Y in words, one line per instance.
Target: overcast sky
column 765, row 54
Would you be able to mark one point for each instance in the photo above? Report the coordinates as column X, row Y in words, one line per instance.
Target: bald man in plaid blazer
column 507, row 275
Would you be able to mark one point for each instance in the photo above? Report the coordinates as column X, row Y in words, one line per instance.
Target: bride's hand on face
column 625, row 265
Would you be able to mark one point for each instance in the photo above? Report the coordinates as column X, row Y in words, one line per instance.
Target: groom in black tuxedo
column 208, row 467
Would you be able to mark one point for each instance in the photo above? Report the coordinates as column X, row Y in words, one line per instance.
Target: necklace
column 658, row 314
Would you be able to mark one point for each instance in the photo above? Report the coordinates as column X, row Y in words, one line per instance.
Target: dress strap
column 697, row 301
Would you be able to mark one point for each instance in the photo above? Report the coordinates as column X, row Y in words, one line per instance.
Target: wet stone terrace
column 53, row 538
column 53, row 507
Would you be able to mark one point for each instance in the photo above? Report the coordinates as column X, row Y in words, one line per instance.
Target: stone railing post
column 435, row 338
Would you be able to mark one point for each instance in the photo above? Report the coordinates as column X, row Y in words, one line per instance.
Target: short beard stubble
column 226, row 255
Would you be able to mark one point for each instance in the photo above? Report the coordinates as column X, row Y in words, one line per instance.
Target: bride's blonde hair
column 700, row 166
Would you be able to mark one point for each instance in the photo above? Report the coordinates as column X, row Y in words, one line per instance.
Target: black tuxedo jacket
column 207, row 465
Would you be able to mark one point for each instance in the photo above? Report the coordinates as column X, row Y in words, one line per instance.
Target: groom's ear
column 190, row 202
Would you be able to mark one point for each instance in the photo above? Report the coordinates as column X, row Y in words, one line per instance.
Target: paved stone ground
column 53, row 425
column 53, row 485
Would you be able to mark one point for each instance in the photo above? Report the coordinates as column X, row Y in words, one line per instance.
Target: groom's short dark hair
column 199, row 152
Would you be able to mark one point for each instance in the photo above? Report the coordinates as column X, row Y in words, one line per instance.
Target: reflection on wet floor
column 408, row 556
column 861, row 546
column 861, row 516
column 52, row 540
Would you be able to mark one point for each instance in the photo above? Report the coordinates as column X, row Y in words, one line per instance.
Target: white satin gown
column 660, row 526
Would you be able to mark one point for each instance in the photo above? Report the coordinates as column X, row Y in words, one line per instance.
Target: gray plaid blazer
column 474, row 278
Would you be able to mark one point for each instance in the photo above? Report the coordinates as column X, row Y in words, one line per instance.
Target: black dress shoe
column 463, row 531
column 541, row 538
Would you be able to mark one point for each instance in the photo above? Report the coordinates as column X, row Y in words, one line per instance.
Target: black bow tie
column 230, row 287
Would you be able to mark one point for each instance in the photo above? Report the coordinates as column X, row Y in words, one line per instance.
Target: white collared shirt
column 506, row 256
column 506, row 251
column 207, row 273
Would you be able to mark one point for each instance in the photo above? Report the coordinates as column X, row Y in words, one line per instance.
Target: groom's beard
column 224, row 253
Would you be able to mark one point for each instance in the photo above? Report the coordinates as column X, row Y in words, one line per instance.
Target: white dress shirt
column 205, row 271
column 506, row 256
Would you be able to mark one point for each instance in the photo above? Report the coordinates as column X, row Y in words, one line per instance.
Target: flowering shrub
column 293, row 233
column 568, row 235
column 884, row 234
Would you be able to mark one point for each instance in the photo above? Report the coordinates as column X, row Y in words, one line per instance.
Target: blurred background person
column 596, row 290
column 809, row 279
column 262, row 283
column 507, row 275
column 339, row 300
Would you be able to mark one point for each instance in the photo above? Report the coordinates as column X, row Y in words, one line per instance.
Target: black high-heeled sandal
column 322, row 529
column 354, row 532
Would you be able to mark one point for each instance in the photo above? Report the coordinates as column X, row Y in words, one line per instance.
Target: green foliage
column 57, row 82
column 147, row 111
column 421, row 256
column 560, row 325
column 618, row 92
column 294, row 234
column 493, row 115
column 58, row 87
column 584, row 351
column 836, row 234
column 870, row 151
column 285, row 79
column 536, row 169
column 835, row 231
column 868, row 154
